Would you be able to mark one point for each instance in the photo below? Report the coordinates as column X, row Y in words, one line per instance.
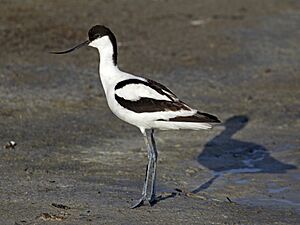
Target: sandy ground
column 76, row 163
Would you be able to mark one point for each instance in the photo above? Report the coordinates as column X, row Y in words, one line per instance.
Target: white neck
column 108, row 70
column 106, row 58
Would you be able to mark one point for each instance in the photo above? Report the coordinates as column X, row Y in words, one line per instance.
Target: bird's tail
column 197, row 121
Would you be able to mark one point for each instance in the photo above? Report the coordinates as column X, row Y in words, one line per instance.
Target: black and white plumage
column 141, row 102
column 157, row 107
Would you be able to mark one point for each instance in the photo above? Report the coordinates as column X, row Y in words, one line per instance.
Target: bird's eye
column 96, row 36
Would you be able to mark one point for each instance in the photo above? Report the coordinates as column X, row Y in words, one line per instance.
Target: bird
column 141, row 102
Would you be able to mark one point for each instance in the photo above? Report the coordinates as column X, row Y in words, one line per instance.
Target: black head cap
column 99, row 31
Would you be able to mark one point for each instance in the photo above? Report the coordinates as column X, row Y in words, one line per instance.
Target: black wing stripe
column 213, row 118
column 161, row 89
column 199, row 117
column 150, row 83
column 150, row 105
column 123, row 83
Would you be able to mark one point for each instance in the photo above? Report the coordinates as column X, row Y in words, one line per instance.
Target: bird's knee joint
column 154, row 157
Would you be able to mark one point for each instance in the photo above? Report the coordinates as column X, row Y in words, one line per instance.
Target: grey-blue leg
column 154, row 156
column 147, row 137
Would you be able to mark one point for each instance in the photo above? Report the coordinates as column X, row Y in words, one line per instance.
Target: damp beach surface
column 65, row 159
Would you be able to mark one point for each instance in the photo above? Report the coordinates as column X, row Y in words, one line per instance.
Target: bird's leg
column 154, row 156
column 148, row 168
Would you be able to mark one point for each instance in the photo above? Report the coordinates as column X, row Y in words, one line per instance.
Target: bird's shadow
column 224, row 154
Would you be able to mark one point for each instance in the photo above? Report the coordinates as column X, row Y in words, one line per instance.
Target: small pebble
column 198, row 22
column 10, row 145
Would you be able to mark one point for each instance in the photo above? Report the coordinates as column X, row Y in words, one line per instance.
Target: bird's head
column 99, row 37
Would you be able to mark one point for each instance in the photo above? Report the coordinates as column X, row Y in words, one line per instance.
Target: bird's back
column 148, row 104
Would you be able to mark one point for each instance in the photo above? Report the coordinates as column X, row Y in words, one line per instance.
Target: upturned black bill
column 72, row 49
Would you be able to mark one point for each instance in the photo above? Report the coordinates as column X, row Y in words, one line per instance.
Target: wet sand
column 76, row 163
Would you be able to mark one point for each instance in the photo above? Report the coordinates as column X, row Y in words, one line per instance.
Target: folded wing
column 147, row 96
